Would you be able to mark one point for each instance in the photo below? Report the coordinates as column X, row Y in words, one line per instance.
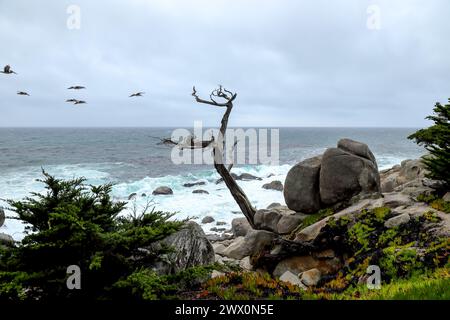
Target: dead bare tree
column 224, row 98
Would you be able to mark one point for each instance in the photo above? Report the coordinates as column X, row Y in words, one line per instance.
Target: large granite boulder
column 189, row 248
column 301, row 188
column 344, row 174
column 335, row 177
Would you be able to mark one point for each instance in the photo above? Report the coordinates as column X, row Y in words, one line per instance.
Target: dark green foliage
column 436, row 140
column 75, row 224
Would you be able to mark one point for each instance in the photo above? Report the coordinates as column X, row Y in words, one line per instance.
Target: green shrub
column 75, row 224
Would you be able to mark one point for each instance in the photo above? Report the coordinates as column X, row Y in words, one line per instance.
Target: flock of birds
column 7, row 70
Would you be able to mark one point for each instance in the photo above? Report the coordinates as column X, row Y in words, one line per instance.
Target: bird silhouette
column 71, row 100
column 22, row 93
column 137, row 94
column 80, row 102
column 76, row 88
column 7, row 70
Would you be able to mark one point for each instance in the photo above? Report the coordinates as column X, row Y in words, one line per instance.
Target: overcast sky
column 292, row 63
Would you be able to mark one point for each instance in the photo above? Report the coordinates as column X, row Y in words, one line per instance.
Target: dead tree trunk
column 238, row 194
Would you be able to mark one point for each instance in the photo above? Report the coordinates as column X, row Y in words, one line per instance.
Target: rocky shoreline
column 305, row 259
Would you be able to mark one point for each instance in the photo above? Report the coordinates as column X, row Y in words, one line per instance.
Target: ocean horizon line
column 172, row 127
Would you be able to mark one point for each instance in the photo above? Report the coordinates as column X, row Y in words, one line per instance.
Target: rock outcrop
column 408, row 174
column 190, row 248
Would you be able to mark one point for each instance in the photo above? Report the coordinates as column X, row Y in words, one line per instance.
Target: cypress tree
column 436, row 140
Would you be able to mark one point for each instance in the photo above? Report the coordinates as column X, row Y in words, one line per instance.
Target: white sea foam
column 218, row 203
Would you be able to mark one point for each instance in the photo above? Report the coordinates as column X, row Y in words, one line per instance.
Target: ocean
column 132, row 160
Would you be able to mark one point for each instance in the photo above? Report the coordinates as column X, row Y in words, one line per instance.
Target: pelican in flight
column 137, row 94
column 22, row 93
column 76, row 88
column 7, row 70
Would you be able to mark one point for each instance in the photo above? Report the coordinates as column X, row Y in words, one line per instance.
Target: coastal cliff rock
column 336, row 176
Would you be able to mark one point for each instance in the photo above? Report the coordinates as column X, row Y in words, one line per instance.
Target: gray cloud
column 293, row 63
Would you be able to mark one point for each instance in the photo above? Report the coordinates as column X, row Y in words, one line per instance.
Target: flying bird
column 71, row 100
column 137, row 94
column 22, row 93
column 76, row 88
column 7, row 70
column 80, row 102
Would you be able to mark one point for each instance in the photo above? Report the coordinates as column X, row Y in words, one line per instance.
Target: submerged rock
column 199, row 191
column 162, row 191
column 207, row 219
column 247, row 177
column 193, row 184
column 132, row 196
column 274, row 185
